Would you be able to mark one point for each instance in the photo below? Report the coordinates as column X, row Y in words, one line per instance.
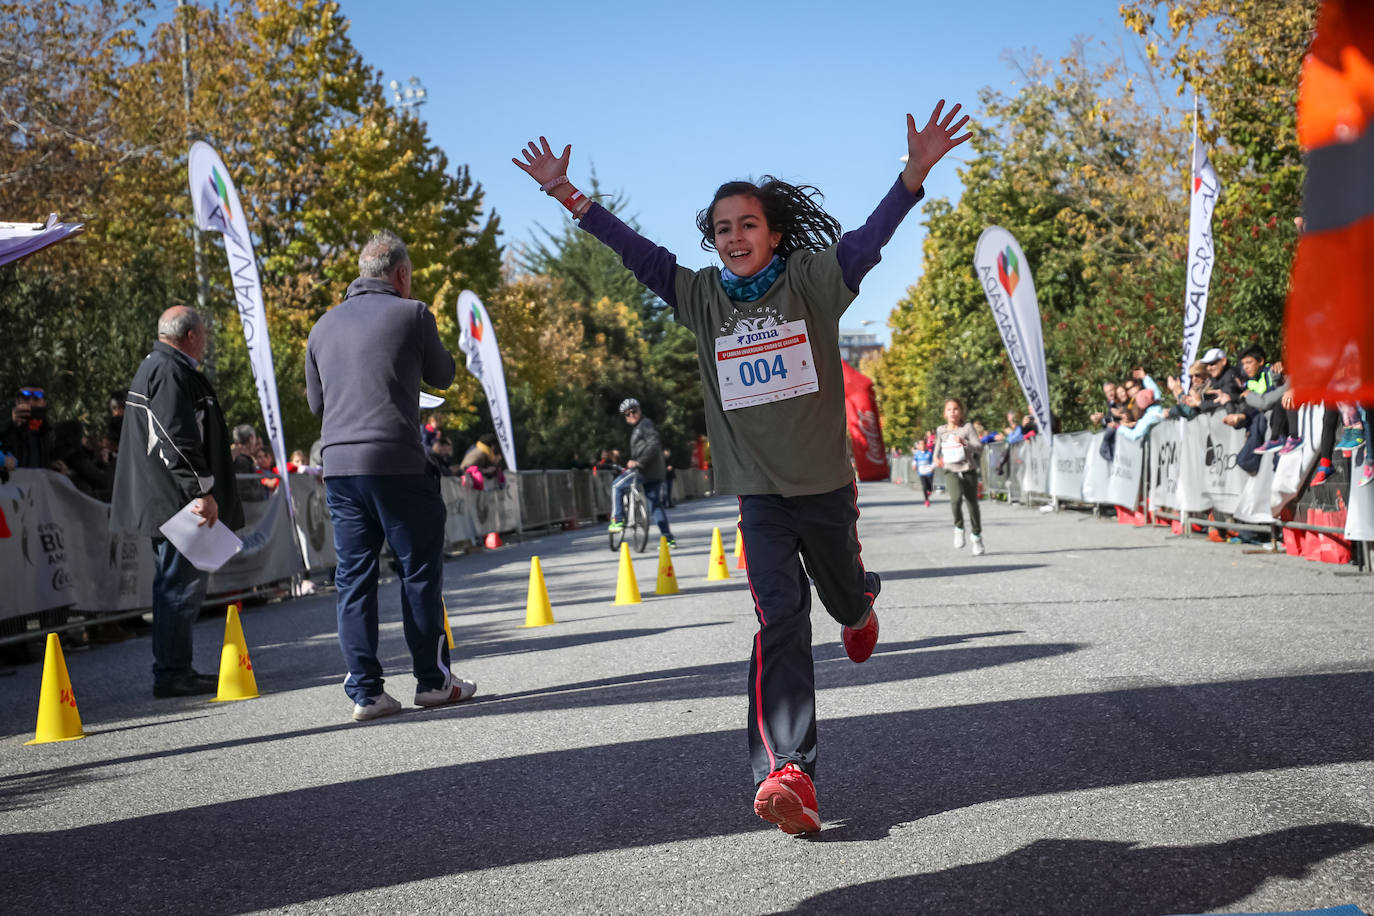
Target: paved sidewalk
column 1090, row 719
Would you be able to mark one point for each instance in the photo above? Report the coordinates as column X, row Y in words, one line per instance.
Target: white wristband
column 561, row 179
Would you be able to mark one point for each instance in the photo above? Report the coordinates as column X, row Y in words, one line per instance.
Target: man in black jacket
column 646, row 460
column 175, row 448
column 363, row 367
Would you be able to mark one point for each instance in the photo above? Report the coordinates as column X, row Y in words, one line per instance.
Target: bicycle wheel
column 641, row 522
column 616, row 538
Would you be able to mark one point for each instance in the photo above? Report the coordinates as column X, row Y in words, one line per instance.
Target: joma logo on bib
column 761, row 335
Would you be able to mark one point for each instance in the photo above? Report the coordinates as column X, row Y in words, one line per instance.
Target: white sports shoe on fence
column 958, row 538
column 978, row 549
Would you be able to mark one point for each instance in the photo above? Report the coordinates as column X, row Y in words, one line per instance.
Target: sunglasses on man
column 31, row 392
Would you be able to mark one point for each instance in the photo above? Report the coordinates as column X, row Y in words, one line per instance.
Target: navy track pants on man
column 407, row 512
column 780, row 534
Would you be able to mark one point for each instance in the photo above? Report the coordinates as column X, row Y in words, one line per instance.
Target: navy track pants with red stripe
column 780, row 534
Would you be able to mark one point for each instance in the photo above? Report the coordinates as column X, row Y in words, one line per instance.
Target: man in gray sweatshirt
column 363, row 367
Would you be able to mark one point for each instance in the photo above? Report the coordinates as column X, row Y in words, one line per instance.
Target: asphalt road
column 1090, row 719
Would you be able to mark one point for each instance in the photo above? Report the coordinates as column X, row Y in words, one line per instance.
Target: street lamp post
column 410, row 96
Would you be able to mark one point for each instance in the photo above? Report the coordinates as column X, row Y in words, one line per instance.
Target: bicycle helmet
column 628, row 405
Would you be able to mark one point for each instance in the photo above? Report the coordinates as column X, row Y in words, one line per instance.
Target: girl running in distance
column 957, row 448
column 767, row 331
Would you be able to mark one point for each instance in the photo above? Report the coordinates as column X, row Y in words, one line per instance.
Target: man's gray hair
column 244, row 434
column 382, row 254
column 175, row 324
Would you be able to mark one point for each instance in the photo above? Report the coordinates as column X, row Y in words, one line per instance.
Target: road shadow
column 1068, row 877
column 876, row 772
column 976, row 568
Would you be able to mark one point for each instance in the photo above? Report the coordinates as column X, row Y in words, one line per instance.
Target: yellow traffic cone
column 627, row 589
column 448, row 631
column 58, row 719
column 718, row 569
column 667, row 580
column 236, row 680
column 538, row 611
column 739, row 547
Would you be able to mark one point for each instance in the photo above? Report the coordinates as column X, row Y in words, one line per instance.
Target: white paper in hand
column 208, row 547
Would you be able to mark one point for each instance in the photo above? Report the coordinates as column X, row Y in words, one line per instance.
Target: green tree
column 303, row 125
column 661, row 375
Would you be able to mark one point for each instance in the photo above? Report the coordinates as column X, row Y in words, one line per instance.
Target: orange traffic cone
column 494, row 541
column 236, row 679
column 739, row 548
column 718, row 569
column 58, row 719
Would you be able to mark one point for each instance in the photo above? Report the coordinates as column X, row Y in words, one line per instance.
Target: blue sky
column 667, row 101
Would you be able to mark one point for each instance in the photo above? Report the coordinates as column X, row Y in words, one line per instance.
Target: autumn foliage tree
column 1087, row 164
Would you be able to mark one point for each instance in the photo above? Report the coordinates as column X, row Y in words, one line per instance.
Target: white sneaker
column 978, row 549
column 456, row 691
column 958, row 538
column 383, row 704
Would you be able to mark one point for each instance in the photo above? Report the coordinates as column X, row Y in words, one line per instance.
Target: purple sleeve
column 652, row 265
column 861, row 249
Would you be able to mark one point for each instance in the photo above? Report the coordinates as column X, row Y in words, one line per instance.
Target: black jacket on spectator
column 174, row 446
column 90, row 475
column 29, row 442
column 1230, row 382
column 647, row 449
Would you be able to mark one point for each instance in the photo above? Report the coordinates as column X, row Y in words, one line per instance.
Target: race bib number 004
column 762, row 366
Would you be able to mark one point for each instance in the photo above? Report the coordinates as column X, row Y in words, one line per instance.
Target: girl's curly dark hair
column 793, row 210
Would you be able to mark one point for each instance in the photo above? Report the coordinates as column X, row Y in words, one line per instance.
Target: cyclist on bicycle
column 646, row 460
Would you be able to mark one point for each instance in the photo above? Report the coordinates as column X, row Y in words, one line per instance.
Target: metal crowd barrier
column 1002, row 472
column 44, row 510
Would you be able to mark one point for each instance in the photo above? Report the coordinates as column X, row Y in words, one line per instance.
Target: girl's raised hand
column 929, row 145
column 542, row 165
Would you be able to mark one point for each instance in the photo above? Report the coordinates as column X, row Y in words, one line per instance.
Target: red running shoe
column 858, row 644
column 788, row 798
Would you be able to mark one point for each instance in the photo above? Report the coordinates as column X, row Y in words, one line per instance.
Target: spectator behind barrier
column 1150, row 413
column 73, row 457
column 484, row 463
column 244, row 447
column 28, row 435
column 440, row 453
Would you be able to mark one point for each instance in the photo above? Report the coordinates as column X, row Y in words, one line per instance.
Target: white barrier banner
column 313, row 530
column 1359, row 520
column 1123, row 489
column 1070, row 465
column 56, row 550
column 1006, row 280
column 1192, row 469
column 1035, row 452
column 1165, row 449
column 1097, row 475
column 1253, row 504
column 1220, row 445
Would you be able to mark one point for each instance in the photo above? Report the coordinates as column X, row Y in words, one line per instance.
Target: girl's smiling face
column 742, row 238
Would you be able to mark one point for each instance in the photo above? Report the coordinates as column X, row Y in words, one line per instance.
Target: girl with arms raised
column 767, row 329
